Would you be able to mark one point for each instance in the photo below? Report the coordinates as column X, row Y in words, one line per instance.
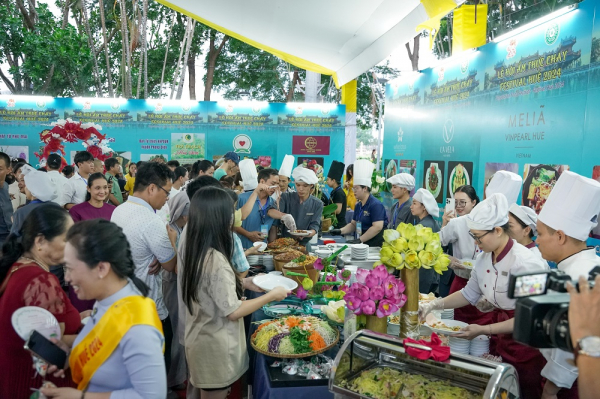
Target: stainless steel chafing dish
column 366, row 350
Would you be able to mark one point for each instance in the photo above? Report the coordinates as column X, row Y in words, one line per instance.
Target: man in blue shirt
column 369, row 213
column 257, row 226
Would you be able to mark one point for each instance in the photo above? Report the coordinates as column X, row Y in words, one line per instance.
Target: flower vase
column 409, row 318
column 377, row 324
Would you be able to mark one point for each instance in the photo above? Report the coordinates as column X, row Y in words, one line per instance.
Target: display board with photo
column 538, row 182
column 433, row 179
column 459, row 174
column 490, row 170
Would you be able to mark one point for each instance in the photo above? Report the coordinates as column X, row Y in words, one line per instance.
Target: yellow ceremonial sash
column 102, row 340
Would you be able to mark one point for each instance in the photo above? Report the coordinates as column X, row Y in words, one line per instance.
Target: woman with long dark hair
column 26, row 281
column 212, row 293
column 128, row 362
column 94, row 206
column 348, row 184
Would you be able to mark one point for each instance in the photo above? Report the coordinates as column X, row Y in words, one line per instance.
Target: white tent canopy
column 343, row 38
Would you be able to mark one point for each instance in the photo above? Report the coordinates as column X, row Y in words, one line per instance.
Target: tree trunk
column 145, row 46
column 192, row 75
column 92, row 49
column 414, row 56
column 141, row 63
column 186, row 58
column 106, row 57
column 181, row 50
column 127, row 84
column 213, row 54
column 290, row 94
column 162, row 75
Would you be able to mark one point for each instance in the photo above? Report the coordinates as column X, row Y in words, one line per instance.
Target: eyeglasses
column 461, row 203
column 478, row 238
column 166, row 192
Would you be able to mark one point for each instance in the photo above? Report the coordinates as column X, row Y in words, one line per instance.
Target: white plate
column 269, row 281
column 29, row 318
column 260, row 245
column 449, row 323
column 296, row 234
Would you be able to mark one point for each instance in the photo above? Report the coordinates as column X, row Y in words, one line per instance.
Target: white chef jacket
column 491, row 281
column 534, row 249
column 456, row 232
column 559, row 370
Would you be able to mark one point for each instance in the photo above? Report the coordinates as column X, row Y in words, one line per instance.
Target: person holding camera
column 563, row 226
column 584, row 326
column 488, row 289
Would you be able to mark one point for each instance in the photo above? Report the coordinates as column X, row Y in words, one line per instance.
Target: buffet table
column 258, row 375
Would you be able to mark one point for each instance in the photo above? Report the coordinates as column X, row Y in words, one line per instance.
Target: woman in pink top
column 94, row 206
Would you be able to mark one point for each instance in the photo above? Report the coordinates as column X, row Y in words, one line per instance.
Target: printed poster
column 188, row 147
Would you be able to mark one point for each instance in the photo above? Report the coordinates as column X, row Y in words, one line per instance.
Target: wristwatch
column 588, row 346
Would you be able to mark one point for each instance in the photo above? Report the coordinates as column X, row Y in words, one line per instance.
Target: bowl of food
column 300, row 233
column 303, row 265
column 285, row 257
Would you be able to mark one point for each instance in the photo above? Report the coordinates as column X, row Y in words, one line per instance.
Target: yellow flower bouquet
column 413, row 247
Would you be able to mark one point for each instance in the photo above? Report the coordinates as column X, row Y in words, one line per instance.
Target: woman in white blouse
column 501, row 256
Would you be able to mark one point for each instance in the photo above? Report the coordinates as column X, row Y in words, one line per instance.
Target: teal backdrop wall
column 529, row 104
column 184, row 130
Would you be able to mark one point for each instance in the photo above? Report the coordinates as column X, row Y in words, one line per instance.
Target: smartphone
column 110, row 179
column 450, row 204
column 46, row 350
column 525, row 285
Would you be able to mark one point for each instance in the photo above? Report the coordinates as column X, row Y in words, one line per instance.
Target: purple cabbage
column 274, row 342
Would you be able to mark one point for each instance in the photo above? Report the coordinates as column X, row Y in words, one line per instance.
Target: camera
column 541, row 318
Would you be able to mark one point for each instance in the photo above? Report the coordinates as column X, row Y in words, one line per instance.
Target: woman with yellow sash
column 348, row 184
column 119, row 352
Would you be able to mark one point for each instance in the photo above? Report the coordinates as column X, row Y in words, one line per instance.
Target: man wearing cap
column 229, row 167
column 39, row 189
column 285, row 172
column 337, row 196
column 563, row 226
column 369, row 213
column 507, row 183
column 257, row 226
column 300, row 210
column 402, row 185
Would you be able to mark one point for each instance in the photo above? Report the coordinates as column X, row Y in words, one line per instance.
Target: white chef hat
column 287, row 165
column 426, row 198
column 404, row 180
column 489, row 213
column 39, row 184
column 363, row 172
column 507, row 183
column 304, row 175
column 526, row 215
column 572, row 206
column 249, row 174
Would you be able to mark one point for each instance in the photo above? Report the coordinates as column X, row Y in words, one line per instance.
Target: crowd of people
column 108, row 253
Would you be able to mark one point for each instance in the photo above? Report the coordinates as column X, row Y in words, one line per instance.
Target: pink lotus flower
column 386, row 308
column 330, row 279
column 380, row 272
column 353, row 303
column 372, row 281
column 301, row 293
column 318, row 265
column 368, row 307
column 360, row 291
column 361, row 275
column 377, row 293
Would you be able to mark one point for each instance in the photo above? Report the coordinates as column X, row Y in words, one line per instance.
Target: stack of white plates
column 360, row 251
column 479, row 346
column 448, row 314
column 460, row 345
column 255, row 260
column 323, row 253
column 267, row 261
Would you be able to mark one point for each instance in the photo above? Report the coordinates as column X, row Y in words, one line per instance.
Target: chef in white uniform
column 402, row 185
column 507, row 183
column 285, row 173
column 249, row 174
column 522, row 222
column 501, row 256
column 563, row 225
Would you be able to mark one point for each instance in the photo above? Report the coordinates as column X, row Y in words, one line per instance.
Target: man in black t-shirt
column 337, row 196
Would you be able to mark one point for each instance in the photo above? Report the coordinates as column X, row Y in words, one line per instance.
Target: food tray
column 295, row 356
